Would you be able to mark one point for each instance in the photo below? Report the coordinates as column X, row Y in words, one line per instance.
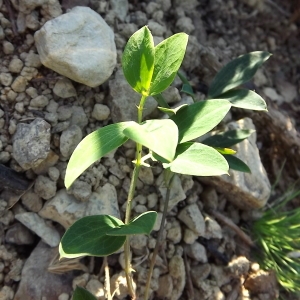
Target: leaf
column 87, row 236
column 199, row 160
column 199, row 118
column 153, row 134
column 186, row 87
column 143, row 224
column 170, row 111
column 237, row 72
column 93, row 147
column 168, row 58
column 138, row 60
column 82, row 294
column 236, row 164
column 225, row 150
column 245, row 99
column 161, row 101
column 228, row 138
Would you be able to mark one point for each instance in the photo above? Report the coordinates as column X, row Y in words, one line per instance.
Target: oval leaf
column 228, row 138
column 236, row 164
column 245, row 99
column 82, row 294
column 153, row 134
column 237, row 72
column 143, row 224
column 87, row 237
column 199, row 118
column 93, row 147
column 168, row 58
column 199, row 160
column 138, row 60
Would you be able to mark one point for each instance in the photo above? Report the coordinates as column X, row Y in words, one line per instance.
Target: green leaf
column 245, row 99
column 143, row 224
column 237, row 164
column 168, row 58
column 170, row 111
column 237, row 72
column 87, row 237
column 161, row 101
column 228, row 138
column 199, row 160
column 225, row 150
column 153, row 134
column 93, row 147
column 199, row 118
column 138, row 60
column 82, row 294
column 186, row 87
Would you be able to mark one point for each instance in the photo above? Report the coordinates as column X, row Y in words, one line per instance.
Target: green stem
column 132, row 187
column 168, row 181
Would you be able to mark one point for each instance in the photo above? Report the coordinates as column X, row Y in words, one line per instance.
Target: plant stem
column 168, row 183
column 107, row 279
column 132, row 187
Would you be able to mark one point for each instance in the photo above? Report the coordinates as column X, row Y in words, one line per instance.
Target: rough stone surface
column 78, row 45
column 246, row 190
column 197, row 252
column 37, row 282
column 19, row 235
column 193, row 219
column 45, row 187
column 69, row 139
column 125, row 99
column 64, row 88
column 36, row 224
column 31, row 143
column 177, row 272
column 100, row 112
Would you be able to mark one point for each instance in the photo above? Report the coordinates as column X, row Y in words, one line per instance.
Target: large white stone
column 79, row 45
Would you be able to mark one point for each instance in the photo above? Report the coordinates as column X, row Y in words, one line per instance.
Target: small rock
column 120, row 8
column 45, row 187
column 19, row 235
column 189, row 236
column 176, row 194
column 199, row 273
column 95, row 287
column 79, row 117
column 64, row 113
column 156, row 29
column 119, row 285
column 81, row 190
column 33, row 59
column 193, row 219
column 273, row 95
column 165, row 289
column 19, row 84
column 209, row 198
column 36, row 224
column 31, row 143
column 287, row 90
column 220, row 276
column 48, row 162
column 174, row 233
column 8, row 48
column 146, row 175
column 64, row 88
column 40, row 101
column 6, row 79
column 32, row 201
column 212, row 229
column 100, row 112
column 28, row 73
column 185, row 24
column 80, row 280
column 197, row 252
column 239, row 266
column 36, row 282
column 85, row 53
column 69, row 139
column 53, row 173
column 171, row 95
column 177, row 272
column 138, row 244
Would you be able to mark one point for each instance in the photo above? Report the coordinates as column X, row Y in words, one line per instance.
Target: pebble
column 174, row 233
column 64, row 112
column 6, row 79
column 197, row 252
column 93, row 59
column 8, row 48
column 32, row 92
column 19, row 235
column 120, row 8
column 81, row 190
column 79, row 117
column 45, row 187
column 165, row 288
column 39, row 101
column 146, row 175
column 199, row 273
column 32, row 201
column 36, row 224
column 19, row 84
column 212, row 230
column 33, row 60
column 100, row 112
column 29, row 72
column 69, row 139
column 193, row 219
column 95, row 287
column 53, row 173
column 64, row 88
column 156, row 29
column 189, row 236
column 185, row 24
column 31, row 143
column 177, row 272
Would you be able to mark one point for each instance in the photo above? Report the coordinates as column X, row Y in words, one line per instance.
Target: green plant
column 277, row 233
column 150, row 70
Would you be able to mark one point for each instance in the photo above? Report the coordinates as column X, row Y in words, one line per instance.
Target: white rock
column 31, row 143
column 193, row 219
column 69, row 139
column 213, row 230
column 96, row 288
column 64, row 88
column 36, row 224
column 197, row 252
column 78, row 45
column 6, row 79
column 100, row 112
column 273, row 95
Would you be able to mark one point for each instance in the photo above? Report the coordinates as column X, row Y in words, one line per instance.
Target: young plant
column 150, row 70
column 277, row 233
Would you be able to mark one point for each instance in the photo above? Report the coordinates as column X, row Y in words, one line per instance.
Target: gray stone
column 176, row 194
column 120, row 8
column 32, row 201
column 36, row 224
column 19, row 235
column 81, row 190
column 8, row 47
column 165, row 289
column 69, row 139
column 200, row 273
column 197, row 252
column 125, row 100
column 64, row 113
column 79, row 117
column 6, row 79
column 156, row 29
column 45, row 187
column 146, row 175
column 31, row 143
column 177, row 272
column 193, row 219
column 185, row 24
column 39, row 101
column 246, row 190
column 100, row 112
column 64, row 88
column 78, row 45
column 212, row 230
column 19, row 84
column 36, row 282
column 33, row 60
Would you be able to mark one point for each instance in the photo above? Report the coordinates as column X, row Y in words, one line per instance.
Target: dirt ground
column 219, row 31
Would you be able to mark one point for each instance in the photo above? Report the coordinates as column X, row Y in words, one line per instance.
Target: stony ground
column 44, row 115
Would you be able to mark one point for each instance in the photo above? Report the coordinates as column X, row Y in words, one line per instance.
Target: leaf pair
column 102, row 235
column 148, row 69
